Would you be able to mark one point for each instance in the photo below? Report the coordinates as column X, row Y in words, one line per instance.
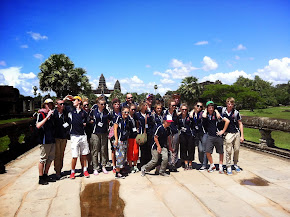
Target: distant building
column 13, row 103
column 103, row 89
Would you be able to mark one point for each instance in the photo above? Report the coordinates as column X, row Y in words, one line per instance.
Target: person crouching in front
column 159, row 147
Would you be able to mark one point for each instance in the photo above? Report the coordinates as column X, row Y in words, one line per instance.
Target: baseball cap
column 209, row 102
column 168, row 118
column 48, row 101
column 78, row 97
column 176, row 95
column 149, row 96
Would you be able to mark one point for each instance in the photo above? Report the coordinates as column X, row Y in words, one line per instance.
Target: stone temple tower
column 117, row 85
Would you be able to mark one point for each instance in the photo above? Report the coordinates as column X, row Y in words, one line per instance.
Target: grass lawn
column 281, row 112
column 4, row 142
column 12, row 120
column 281, row 138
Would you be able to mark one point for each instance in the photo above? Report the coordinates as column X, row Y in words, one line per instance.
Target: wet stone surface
column 257, row 181
column 102, row 199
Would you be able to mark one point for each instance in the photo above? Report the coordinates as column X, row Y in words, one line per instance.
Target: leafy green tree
column 189, row 90
column 282, row 93
column 117, row 94
column 244, row 97
column 58, row 74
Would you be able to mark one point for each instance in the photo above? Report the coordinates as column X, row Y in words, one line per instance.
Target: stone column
column 266, row 139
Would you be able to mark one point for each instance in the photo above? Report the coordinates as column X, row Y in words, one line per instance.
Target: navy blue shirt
column 123, row 128
column 233, row 118
column 101, row 120
column 60, row 119
column 150, row 122
column 162, row 135
column 46, row 134
column 133, row 126
column 197, row 122
column 77, row 120
column 185, row 125
column 210, row 124
column 174, row 124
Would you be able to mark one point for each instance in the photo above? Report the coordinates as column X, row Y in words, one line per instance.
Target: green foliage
column 282, row 93
column 264, row 88
column 4, row 142
column 117, row 94
column 244, row 97
column 189, row 90
column 12, row 120
column 58, row 74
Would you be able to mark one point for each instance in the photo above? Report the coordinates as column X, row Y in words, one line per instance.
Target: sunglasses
column 126, row 112
column 184, row 109
column 130, row 98
column 133, row 109
column 60, row 103
column 102, row 104
column 86, row 105
column 198, row 106
column 173, row 105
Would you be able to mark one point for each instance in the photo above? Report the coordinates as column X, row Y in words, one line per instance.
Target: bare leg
column 221, row 158
column 114, row 158
column 46, row 168
column 73, row 163
column 40, row 168
column 209, row 157
column 84, row 161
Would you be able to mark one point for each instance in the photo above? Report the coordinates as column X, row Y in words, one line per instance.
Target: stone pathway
column 185, row 193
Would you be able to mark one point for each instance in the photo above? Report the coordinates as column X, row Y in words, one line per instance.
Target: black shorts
column 213, row 141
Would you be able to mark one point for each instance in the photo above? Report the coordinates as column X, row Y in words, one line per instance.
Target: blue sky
column 142, row 43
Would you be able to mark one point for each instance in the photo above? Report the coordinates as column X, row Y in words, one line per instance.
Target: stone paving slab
column 186, row 193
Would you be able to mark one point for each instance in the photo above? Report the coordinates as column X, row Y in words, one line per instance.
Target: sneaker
column 58, row 176
column 202, row 168
column 237, row 168
column 104, row 170
column 186, row 167
column 114, row 170
column 136, row 169
column 119, row 176
column 211, row 169
column 229, row 171
column 86, row 174
column 163, row 174
column 72, row 176
column 96, row 172
column 221, row 171
column 143, row 172
column 42, row 181
column 189, row 167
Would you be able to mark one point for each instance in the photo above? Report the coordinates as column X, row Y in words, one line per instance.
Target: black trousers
column 186, row 147
column 146, row 150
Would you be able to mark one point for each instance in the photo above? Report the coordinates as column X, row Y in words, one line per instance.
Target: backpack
column 224, row 109
column 33, row 129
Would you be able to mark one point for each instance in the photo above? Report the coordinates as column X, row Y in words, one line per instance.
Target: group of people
column 159, row 134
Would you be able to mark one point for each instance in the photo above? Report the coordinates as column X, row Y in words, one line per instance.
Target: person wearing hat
column 211, row 117
column 149, row 101
column 46, row 139
column 79, row 143
column 159, row 147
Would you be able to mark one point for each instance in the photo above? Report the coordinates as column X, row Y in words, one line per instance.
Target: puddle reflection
column 257, row 181
column 102, row 199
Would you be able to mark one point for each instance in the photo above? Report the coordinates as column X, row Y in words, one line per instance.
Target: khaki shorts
column 79, row 145
column 47, row 152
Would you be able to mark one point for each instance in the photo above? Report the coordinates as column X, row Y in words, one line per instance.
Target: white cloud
column 226, row 78
column 167, row 81
column 38, row 56
column 163, row 75
column 2, row 63
column 240, row 47
column 24, row 46
column 132, row 84
column 37, row 36
column 12, row 76
column 237, row 57
column 277, row 71
column 209, row 64
column 201, row 43
column 176, row 63
column 180, row 70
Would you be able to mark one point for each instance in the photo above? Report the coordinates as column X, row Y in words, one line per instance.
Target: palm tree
column 58, row 74
column 190, row 89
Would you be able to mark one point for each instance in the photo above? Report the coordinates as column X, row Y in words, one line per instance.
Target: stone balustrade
column 266, row 126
